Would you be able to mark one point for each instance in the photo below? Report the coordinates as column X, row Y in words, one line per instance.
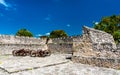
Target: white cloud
column 4, row 3
column 96, row 23
column 39, row 35
column 47, row 34
column 68, row 25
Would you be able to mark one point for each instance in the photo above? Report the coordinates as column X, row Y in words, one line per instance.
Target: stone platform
column 13, row 64
column 53, row 65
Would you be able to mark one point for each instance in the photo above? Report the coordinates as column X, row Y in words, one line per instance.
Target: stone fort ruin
column 94, row 47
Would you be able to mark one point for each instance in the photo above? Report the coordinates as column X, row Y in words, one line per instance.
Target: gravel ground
column 48, row 68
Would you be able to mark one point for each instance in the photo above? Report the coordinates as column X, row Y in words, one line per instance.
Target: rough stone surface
column 10, row 39
column 100, row 40
column 70, row 69
column 118, row 47
column 25, row 67
column 95, row 43
column 13, row 64
column 96, row 48
column 100, row 62
column 62, row 48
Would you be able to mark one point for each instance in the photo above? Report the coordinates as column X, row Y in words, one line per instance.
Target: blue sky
column 43, row 16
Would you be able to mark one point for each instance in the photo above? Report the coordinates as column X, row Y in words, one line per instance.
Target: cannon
column 14, row 53
column 28, row 52
column 40, row 53
column 20, row 52
column 32, row 53
column 47, row 53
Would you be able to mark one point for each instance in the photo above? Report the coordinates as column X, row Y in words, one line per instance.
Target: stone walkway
column 15, row 64
column 53, row 65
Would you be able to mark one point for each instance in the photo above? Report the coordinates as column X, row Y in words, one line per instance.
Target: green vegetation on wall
column 111, row 25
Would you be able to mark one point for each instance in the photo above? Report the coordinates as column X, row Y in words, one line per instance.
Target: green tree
column 24, row 32
column 117, row 36
column 111, row 25
column 58, row 33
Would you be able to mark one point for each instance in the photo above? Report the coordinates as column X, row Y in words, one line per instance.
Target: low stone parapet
column 100, row 62
column 8, row 48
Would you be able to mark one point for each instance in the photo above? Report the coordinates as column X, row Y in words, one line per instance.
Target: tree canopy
column 58, row 33
column 111, row 25
column 24, row 32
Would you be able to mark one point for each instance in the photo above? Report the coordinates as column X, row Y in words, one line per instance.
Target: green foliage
column 24, row 32
column 58, row 33
column 116, row 35
column 111, row 25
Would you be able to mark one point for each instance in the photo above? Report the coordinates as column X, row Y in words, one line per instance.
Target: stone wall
column 60, row 48
column 100, row 62
column 89, row 44
column 97, row 48
column 8, row 43
column 63, row 40
column 82, row 46
column 118, row 47
column 61, row 45
column 94, row 43
column 100, row 40
column 10, row 39
column 8, row 48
